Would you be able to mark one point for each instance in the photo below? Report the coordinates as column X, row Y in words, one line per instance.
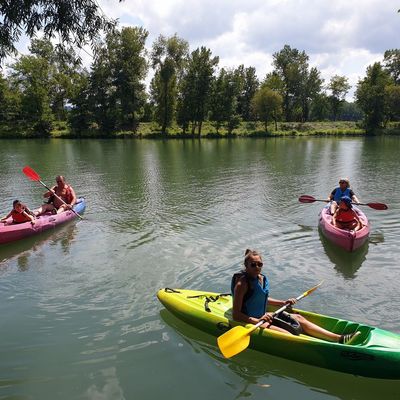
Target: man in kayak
column 20, row 214
column 250, row 290
column 345, row 217
column 339, row 192
column 60, row 191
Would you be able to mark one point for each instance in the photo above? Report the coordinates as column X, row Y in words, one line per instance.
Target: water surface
column 79, row 315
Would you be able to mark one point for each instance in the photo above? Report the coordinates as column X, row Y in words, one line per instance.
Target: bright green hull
column 375, row 353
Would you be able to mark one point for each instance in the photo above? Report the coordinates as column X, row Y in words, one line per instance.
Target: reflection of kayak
column 10, row 232
column 349, row 240
column 375, row 353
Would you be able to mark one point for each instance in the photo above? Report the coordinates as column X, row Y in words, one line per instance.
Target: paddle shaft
column 283, row 308
column 59, row 198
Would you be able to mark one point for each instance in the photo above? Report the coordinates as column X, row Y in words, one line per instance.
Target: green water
column 79, row 318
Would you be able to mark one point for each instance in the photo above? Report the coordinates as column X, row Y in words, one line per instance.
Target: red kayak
column 348, row 239
column 10, row 232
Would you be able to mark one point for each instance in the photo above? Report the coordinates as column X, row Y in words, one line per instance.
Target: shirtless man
column 63, row 191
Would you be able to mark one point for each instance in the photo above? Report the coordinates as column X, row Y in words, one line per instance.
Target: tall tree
column 130, row 71
column 291, row 65
column 71, row 21
column 168, row 56
column 370, row 95
column 196, row 87
column 248, row 88
column 224, row 100
column 312, row 86
column 32, row 76
column 339, row 87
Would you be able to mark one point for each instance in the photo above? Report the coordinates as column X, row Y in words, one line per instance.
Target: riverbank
column 150, row 130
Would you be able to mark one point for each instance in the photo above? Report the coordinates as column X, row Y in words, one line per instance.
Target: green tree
column 291, row 66
column 130, row 69
column 267, row 105
column 71, row 21
column 370, row 95
column 224, row 100
column 195, row 88
column 32, row 77
column 10, row 109
column 391, row 62
column 168, row 57
column 339, row 87
column 312, row 85
column 392, row 101
column 248, row 87
column 320, row 108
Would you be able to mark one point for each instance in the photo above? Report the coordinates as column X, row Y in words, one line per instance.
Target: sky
column 341, row 37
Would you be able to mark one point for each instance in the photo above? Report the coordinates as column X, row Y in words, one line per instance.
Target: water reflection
column 22, row 250
column 347, row 263
column 260, row 373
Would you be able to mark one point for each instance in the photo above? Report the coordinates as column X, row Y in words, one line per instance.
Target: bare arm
column 31, row 217
column 7, row 216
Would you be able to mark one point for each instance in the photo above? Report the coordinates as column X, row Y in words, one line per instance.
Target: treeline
column 188, row 88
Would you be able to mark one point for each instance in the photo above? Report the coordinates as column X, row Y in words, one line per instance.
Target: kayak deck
column 375, row 353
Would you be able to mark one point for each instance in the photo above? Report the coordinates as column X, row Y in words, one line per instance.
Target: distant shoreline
column 245, row 130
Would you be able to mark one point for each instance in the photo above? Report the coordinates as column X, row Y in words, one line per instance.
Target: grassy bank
column 150, row 130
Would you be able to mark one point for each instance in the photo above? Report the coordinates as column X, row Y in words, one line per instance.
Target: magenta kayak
column 10, row 232
column 349, row 240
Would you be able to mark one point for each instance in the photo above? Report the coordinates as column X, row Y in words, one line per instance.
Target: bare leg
column 312, row 329
column 334, row 206
column 44, row 208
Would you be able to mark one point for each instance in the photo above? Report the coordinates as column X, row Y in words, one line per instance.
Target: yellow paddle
column 237, row 339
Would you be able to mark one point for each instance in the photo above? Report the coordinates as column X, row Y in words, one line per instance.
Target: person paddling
column 250, row 290
column 55, row 205
column 20, row 213
column 339, row 192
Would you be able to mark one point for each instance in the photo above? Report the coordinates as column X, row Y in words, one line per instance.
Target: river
column 79, row 317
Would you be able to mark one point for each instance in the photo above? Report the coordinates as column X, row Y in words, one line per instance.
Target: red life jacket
column 346, row 217
column 19, row 218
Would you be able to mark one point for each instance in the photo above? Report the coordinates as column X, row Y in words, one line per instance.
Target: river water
column 79, row 317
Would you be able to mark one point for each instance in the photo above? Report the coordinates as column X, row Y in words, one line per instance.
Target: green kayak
column 375, row 353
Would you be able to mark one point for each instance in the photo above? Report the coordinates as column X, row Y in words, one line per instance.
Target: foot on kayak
column 349, row 338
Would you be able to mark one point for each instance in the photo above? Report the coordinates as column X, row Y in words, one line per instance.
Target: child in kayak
column 345, row 217
column 250, row 289
column 20, row 214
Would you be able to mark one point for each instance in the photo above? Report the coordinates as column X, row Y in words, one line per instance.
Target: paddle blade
column 30, row 173
column 306, row 199
column 378, row 206
column 234, row 341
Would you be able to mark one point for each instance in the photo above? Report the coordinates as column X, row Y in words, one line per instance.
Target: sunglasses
column 254, row 264
column 343, row 182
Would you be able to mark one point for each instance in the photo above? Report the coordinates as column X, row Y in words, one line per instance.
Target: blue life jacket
column 256, row 298
column 338, row 194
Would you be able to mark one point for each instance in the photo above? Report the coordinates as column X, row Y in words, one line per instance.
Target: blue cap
column 347, row 200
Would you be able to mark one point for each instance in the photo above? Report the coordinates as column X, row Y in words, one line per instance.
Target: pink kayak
column 349, row 240
column 9, row 232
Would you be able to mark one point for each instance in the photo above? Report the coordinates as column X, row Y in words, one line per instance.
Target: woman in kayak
column 250, row 289
column 339, row 192
column 345, row 217
column 20, row 214
column 55, row 205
